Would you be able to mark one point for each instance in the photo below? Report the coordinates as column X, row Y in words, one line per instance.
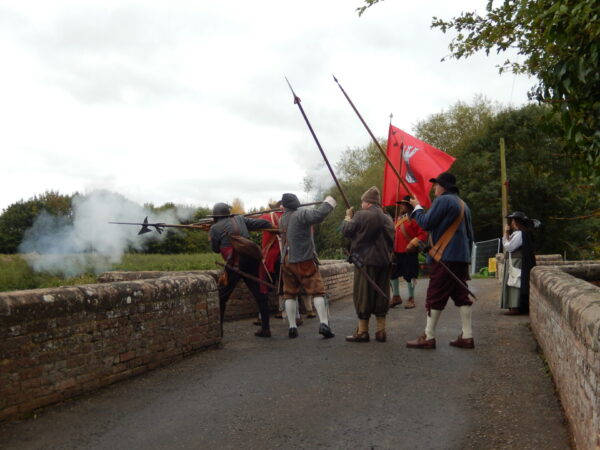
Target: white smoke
column 89, row 243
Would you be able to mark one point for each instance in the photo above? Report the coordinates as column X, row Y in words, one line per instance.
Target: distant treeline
column 542, row 183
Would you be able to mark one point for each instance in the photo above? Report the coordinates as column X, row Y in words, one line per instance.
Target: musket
column 374, row 139
column 161, row 226
column 257, row 213
column 245, row 275
column 354, row 259
column 337, row 183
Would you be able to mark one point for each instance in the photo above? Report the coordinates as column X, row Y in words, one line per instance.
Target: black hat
column 290, row 201
column 406, row 201
column 446, row 180
column 522, row 217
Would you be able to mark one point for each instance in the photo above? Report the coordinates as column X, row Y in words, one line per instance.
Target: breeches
column 301, row 277
column 442, row 285
column 367, row 300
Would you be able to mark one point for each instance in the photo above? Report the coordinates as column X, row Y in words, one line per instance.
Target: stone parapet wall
column 337, row 275
column 61, row 342
column 565, row 318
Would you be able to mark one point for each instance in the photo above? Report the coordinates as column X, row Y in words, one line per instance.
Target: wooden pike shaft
column 337, row 183
column 374, row 139
column 245, row 275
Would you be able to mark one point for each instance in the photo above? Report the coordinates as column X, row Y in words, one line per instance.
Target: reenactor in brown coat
column 372, row 233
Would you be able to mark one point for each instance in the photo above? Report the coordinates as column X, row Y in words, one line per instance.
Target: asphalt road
column 311, row 393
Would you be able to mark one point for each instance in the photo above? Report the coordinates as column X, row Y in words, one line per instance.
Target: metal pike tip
column 145, row 228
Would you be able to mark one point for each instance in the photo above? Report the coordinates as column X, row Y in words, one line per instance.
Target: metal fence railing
column 482, row 252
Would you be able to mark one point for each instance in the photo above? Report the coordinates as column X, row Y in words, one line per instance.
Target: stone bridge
column 59, row 346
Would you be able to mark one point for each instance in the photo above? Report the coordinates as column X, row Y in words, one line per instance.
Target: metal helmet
column 221, row 210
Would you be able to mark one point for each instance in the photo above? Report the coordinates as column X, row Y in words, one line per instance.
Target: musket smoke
column 87, row 243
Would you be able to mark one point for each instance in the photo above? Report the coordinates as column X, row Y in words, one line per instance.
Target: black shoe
column 326, row 331
column 293, row 333
column 263, row 333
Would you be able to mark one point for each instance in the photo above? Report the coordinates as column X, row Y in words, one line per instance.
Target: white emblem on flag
column 407, row 153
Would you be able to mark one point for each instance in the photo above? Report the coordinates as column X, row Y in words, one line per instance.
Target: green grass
column 15, row 273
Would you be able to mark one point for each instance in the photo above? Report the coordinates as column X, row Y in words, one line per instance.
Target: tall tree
column 19, row 216
column 559, row 41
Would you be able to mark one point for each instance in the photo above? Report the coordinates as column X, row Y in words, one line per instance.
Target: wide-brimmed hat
column 406, row 201
column 290, row 201
column 372, row 195
column 522, row 217
column 446, row 180
column 274, row 204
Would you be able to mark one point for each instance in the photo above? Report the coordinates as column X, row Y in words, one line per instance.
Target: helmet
column 221, row 210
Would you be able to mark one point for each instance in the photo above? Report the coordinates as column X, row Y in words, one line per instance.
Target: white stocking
column 465, row 317
column 291, row 308
column 432, row 320
column 321, row 308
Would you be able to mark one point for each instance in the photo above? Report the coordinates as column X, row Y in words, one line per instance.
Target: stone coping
column 37, row 304
column 568, row 292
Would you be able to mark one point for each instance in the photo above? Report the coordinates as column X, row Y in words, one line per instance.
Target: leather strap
column 437, row 250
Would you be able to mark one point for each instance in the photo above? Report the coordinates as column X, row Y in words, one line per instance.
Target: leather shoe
column 422, row 342
column 299, row 322
column 257, row 322
column 358, row 337
column 326, row 331
column 463, row 343
column 396, row 300
column 410, row 303
column 263, row 333
column 311, row 315
column 381, row 336
column 293, row 333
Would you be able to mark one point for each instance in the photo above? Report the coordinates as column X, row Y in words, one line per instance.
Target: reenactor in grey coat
column 299, row 269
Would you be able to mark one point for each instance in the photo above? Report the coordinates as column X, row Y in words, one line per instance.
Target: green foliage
column 450, row 130
column 15, row 273
column 20, row 216
column 368, row 4
column 538, row 172
column 357, row 171
column 560, row 43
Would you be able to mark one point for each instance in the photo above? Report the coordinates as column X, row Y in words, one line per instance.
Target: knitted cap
column 372, row 196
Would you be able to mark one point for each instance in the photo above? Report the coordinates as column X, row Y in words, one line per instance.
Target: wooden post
column 504, row 185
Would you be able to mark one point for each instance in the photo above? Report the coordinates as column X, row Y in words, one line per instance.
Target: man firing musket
column 229, row 237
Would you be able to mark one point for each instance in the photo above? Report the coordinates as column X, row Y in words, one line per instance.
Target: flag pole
column 398, row 186
column 374, row 138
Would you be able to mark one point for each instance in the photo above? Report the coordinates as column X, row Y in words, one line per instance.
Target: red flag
column 420, row 163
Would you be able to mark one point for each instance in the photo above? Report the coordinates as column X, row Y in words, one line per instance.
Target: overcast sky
column 186, row 101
